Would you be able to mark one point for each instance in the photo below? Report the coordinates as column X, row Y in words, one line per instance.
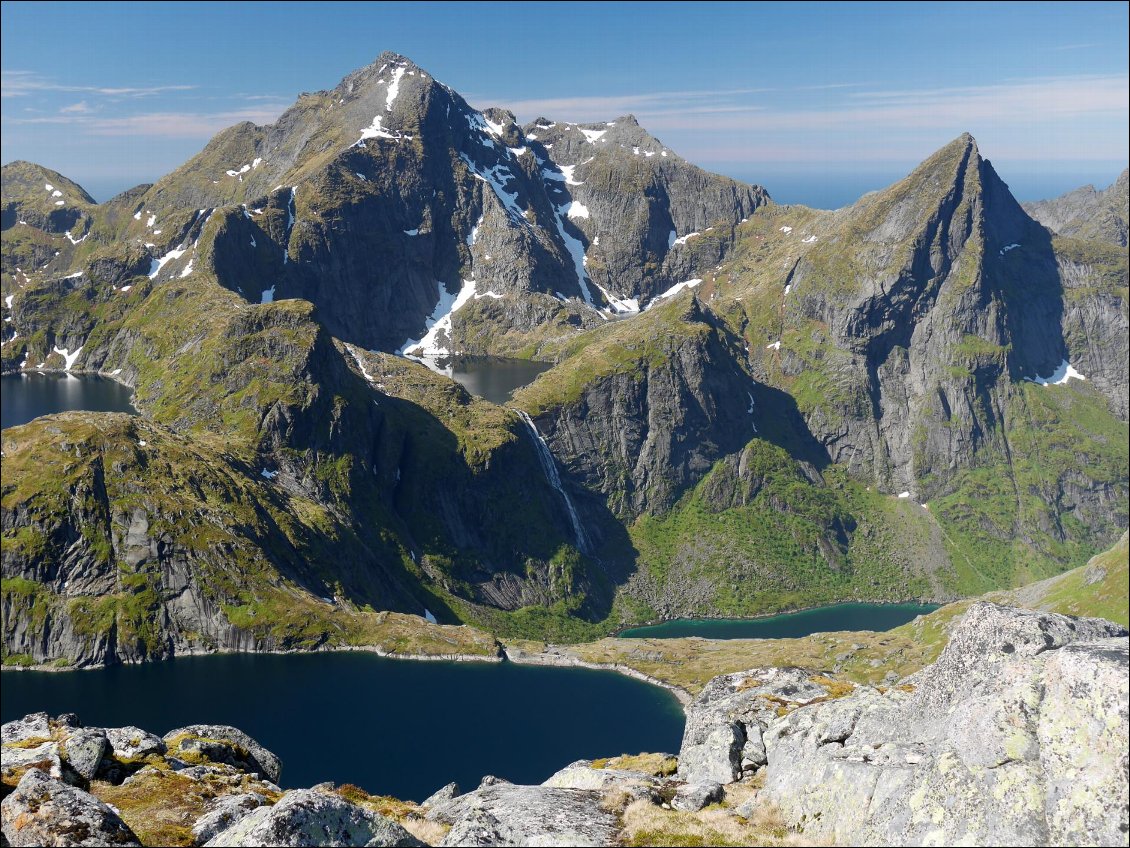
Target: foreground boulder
column 313, row 817
column 1017, row 735
column 508, row 814
column 45, row 811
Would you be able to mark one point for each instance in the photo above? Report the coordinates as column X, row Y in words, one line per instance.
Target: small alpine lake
column 492, row 378
column 392, row 727
column 877, row 617
column 27, row 396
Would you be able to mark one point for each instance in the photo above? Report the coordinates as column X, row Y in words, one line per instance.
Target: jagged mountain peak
column 40, row 197
column 21, row 177
column 1088, row 213
column 576, row 143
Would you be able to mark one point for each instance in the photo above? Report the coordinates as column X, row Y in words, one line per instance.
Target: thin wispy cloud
column 1020, row 102
column 26, row 83
column 186, row 125
column 599, row 108
column 1073, row 47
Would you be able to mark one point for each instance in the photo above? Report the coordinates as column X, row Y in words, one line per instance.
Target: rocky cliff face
column 648, row 407
column 923, row 299
column 277, row 471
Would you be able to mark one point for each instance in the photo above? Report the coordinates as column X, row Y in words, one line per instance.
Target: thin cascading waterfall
column 549, row 466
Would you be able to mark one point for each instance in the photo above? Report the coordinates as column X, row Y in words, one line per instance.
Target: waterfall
column 549, row 466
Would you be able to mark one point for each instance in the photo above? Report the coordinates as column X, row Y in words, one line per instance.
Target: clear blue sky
column 818, row 102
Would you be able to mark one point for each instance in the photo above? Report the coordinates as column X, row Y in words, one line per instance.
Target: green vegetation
column 1002, row 520
column 1098, row 590
column 787, row 543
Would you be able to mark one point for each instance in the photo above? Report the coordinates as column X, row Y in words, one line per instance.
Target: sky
column 818, row 102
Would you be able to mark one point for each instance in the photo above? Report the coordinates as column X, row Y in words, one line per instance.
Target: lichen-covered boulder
column 33, row 726
column 716, row 759
column 45, row 811
column 313, row 817
column 223, row 812
column 83, row 750
column 692, row 797
column 509, row 814
column 29, row 743
column 583, row 775
column 222, row 743
column 130, row 743
column 1017, row 735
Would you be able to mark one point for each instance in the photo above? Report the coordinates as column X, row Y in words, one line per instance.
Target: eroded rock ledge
column 1018, row 734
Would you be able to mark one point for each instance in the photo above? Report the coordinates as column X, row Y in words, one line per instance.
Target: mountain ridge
column 838, row 405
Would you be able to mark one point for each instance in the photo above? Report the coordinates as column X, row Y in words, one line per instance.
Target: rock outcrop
column 507, row 814
column 723, row 737
column 312, row 817
column 1016, row 736
column 223, row 744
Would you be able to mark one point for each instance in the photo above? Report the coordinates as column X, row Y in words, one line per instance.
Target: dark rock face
column 641, row 435
column 919, row 287
column 648, row 218
column 379, row 199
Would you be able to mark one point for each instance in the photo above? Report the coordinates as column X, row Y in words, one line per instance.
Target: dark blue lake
column 393, row 727
column 876, row 617
column 27, row 396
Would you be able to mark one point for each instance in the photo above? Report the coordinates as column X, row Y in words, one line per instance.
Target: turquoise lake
column 876, row 617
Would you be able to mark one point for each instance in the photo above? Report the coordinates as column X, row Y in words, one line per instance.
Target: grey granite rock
column 312, row 817
column 30, row 726
column 1017, row 735
column 442, row 795
column 723, row 733
column 83, row 751
column 132, row 742
column 224, row 812
column 44, row 811
column 635, row 785
column 692, row 797
column 508, row 814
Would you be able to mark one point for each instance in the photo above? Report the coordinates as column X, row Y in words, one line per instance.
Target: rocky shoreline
column 548, row 657
column 1016, row 735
